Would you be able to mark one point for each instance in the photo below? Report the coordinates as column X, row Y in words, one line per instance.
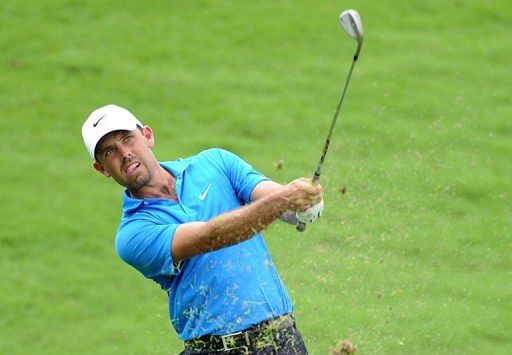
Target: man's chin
column 137, row 183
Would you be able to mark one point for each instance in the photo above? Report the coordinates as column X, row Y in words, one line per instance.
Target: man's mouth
column 130, row 168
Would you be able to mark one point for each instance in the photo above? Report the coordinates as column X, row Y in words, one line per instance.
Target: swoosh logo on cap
column 98, row 121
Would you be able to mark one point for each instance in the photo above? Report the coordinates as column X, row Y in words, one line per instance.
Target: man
column 193, row 225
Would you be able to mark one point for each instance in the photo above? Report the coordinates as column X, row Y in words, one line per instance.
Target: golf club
column 350, row 21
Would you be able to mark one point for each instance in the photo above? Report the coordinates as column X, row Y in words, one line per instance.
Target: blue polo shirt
column 218, row 292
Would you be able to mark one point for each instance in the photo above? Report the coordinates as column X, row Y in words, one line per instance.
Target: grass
column 412, row 258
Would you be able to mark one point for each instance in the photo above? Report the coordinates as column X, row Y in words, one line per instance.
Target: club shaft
column 316, row 176
column 301, row 227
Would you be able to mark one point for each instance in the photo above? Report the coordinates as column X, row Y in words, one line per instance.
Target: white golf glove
column 311, row 214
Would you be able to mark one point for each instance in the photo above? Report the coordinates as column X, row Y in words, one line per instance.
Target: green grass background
column 415, row 257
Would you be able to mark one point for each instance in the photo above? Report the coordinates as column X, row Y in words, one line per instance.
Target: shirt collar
column 176, row 168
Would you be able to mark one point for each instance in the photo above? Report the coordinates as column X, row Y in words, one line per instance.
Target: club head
column 350, row 21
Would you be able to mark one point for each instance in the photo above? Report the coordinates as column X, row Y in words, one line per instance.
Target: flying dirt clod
column 343, row 348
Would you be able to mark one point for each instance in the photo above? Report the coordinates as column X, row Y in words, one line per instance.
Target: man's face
column 126, row 156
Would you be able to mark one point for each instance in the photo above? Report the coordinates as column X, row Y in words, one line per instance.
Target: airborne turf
column 412, row 254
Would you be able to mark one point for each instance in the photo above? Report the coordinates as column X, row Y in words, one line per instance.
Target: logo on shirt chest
column 203, row 195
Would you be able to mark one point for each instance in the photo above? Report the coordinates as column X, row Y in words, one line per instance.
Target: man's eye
column 107, row 152
column 128, row 138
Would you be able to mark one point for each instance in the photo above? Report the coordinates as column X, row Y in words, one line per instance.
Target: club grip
column 300, row 227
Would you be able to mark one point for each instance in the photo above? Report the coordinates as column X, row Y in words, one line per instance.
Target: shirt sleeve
column 243, row 176
column 147, row 247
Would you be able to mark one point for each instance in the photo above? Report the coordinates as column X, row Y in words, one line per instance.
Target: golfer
column 194, row 226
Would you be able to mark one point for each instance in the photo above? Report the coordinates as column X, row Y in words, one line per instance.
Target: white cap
column 104, row 120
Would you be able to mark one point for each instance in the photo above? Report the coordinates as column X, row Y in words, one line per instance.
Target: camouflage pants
column 277, row 336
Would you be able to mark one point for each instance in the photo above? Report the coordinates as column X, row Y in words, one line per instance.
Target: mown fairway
column 413, row 254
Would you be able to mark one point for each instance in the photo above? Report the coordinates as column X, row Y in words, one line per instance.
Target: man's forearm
column 241, row 224
column 233, row 227
column 266, row 187
column 229, row 228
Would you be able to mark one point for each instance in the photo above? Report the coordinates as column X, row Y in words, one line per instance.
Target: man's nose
column 125, row 153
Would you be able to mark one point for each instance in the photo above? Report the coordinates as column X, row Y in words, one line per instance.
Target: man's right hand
column 302, row 194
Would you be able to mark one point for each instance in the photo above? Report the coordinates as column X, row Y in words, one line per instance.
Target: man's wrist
column 289, row 217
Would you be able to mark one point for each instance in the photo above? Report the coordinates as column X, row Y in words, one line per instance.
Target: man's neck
column 163, row 187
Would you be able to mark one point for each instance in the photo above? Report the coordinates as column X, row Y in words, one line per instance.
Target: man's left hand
column 311, row 214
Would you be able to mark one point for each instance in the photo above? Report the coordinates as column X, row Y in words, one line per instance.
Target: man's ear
column 148, row 133
column 100, row 168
